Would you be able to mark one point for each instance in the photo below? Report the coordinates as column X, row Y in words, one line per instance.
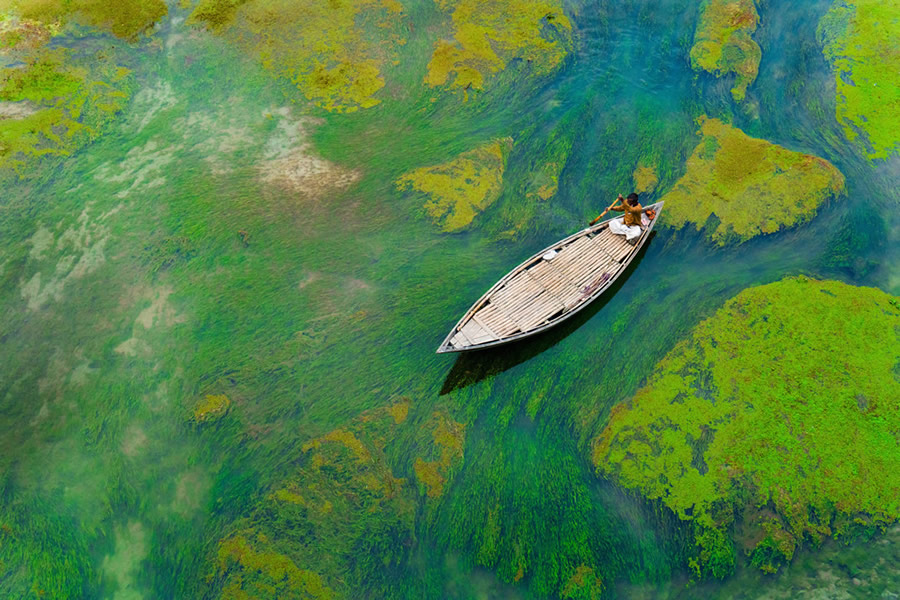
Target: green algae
column 332, row 51
column 860, row 39
column 254, row 574
column 487, row 36
column 462, row 188
column 71, row 106
column 448, row 441
column 212, row 408
column 770, row 425
column 723, row 42
column 751, row 186
column 645, row 179
column 125, row 19
column 309, row 528
column 583, row 585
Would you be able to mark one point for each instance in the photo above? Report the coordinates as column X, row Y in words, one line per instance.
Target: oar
column 603, row 213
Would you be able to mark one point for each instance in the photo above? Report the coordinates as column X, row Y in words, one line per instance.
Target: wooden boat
column 548, row 288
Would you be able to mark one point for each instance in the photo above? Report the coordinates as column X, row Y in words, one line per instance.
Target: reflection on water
column 221, row 240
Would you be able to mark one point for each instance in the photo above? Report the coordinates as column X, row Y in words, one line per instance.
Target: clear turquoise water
column 337, row 302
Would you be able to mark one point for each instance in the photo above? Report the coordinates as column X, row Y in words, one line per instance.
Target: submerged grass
column 757, row 429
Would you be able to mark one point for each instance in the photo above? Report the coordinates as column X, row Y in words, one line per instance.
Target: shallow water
column 332, row 302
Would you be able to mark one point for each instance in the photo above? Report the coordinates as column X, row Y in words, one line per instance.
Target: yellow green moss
column 23, row 35
column 68, row 106
column 782, row 406
column 645, row 179
column 722, row 42
column 212, row 408
column 487, row 35
column 123, row 18
column 752, row 186
column 343, row 496
column 399, row 411
column 861, row 38
column 250, row 574
column 545, row 182
column 584, row 584
column 332, row 50
column 460, row 189
column 449, row 438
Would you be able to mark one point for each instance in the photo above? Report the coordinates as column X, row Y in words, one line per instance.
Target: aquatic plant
column 487, row 36
column 448, row 440
column 723, row 42
column 460, row 189
column 308, row 531
column 771, row 424
column 212, row 408
column 750, row 186
column 860, row 39
column 333, row 52
column 645, row 179
column 125, row 19
column 63, row 105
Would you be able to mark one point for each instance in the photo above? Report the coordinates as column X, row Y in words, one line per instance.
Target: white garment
column 618, row 227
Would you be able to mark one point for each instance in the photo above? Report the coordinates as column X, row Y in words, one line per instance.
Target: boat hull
column 540, row 293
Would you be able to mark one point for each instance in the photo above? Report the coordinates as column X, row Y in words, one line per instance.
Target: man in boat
column 630, row 224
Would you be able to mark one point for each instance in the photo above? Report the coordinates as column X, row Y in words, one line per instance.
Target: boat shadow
column 476, row 366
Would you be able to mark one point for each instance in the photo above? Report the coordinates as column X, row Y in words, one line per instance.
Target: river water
column 308, row 307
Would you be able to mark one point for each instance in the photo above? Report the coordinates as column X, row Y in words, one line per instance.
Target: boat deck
column 545, row 289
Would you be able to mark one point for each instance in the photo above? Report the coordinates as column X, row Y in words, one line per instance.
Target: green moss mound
column 752, row 186
column 773, row 423
column 460, row 189
column 861, row 38
column 63, row 106
column 333, row 51
column 125, row 19
column 722, row 42
column 488, row 35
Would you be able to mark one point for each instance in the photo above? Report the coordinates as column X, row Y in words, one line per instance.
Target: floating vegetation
column 124, row 18
column 63, row 106
column 583, row 585
column 750, row 186
column 309, row 531
column 449, row 439
column 460, row 189
column 212, row 408
column 722, row 42
column 771, row 424
column 645, row 179
column 861, row 38
column 487, row 36
column 18, row 36
column 333, row 51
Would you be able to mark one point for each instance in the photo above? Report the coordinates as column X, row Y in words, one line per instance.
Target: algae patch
column 303, row 536
column 723, row 42
column 333, row 51
column 449, row 438
column 487, row 36
column 212, row 408
column 861, row 39
column 123, row 18
column 645, row 179
column 751, row 186
column 773, row 423
column 54, row 106
column 460, row 189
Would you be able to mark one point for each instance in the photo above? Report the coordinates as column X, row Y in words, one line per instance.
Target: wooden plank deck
column 546, row 289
